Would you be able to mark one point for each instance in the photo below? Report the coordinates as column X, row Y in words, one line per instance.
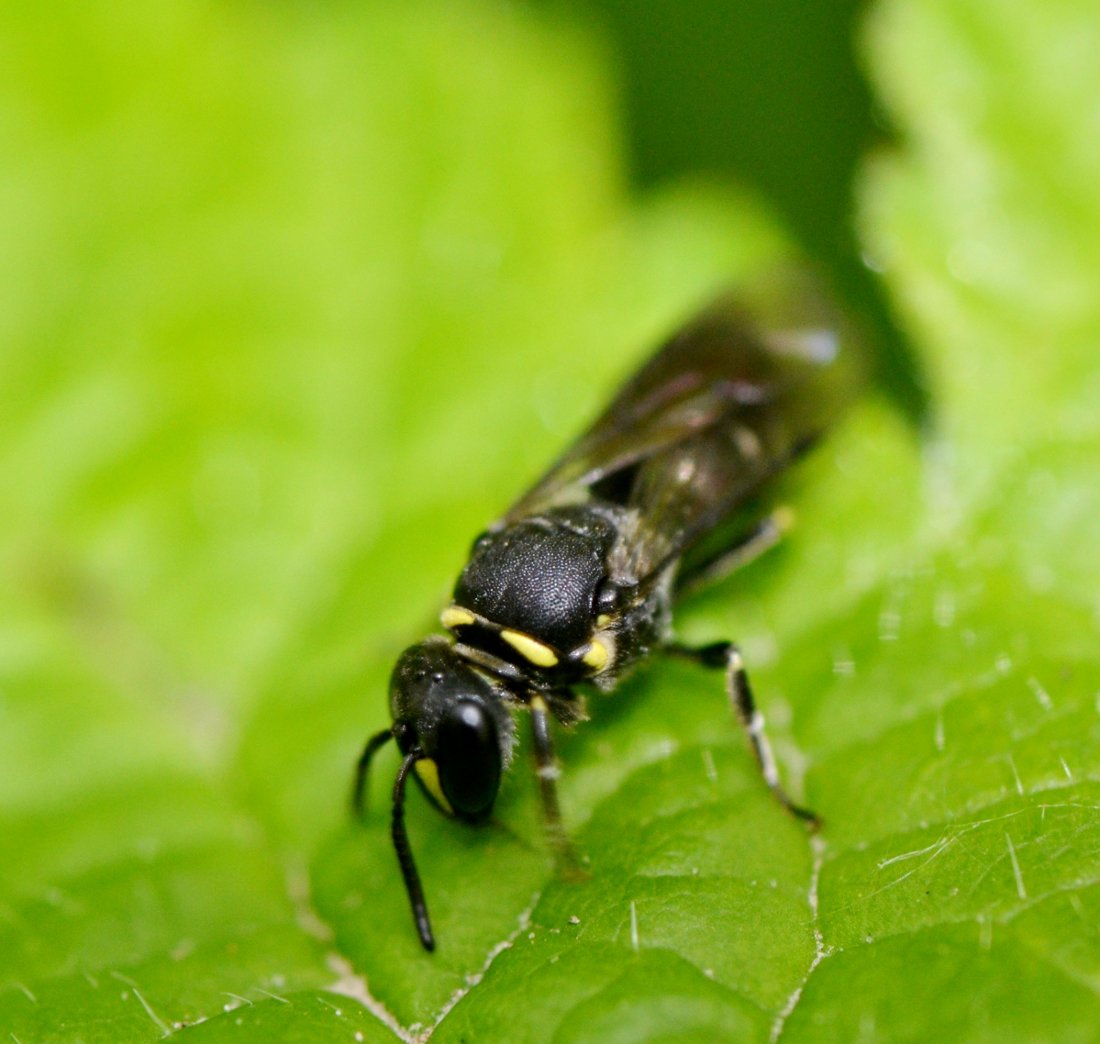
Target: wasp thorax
column 539, row 577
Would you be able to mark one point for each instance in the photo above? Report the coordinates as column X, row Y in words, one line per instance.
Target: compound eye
column 469, row 759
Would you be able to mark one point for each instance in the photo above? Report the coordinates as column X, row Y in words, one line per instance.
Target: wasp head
column 452, row 716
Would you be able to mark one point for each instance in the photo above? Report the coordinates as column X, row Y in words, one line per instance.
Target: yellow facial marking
column 429, row 775
column 603, row 620
column 530, row 649
column 456, row 616
column 596, row 657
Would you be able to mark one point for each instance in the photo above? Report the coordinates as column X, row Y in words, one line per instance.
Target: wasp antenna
column 362, row 770
column 405, row 856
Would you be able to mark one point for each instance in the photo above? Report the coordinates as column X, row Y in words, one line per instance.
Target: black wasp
column 576, row 583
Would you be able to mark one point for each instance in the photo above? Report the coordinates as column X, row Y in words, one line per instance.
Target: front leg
column 547, row 770
column 727, row 656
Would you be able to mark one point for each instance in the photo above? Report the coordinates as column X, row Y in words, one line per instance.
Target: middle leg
column 727, row 656
column 546, row 768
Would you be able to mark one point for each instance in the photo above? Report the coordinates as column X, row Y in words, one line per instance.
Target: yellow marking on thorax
column 428, row 772
column 530, row 648
column 596, row 657
column 455, row 616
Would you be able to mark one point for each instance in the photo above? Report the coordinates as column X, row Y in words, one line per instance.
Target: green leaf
column 294, row 305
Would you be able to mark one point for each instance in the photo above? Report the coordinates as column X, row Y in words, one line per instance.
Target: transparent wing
column 722, row 406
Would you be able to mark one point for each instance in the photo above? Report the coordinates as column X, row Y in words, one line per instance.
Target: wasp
column 575, row 585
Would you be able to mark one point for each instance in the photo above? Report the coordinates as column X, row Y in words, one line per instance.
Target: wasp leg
column 404, row 854
column 362, row 769
column 546, row 767
column 727, row 656
column 750, row 546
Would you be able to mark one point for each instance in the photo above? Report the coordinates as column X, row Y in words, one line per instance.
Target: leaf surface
column 264, row 378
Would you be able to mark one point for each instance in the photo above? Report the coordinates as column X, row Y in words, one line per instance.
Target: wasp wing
column 724, row 405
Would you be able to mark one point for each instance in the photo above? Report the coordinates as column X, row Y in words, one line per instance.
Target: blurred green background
column 770, row 95
column 296, row 298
